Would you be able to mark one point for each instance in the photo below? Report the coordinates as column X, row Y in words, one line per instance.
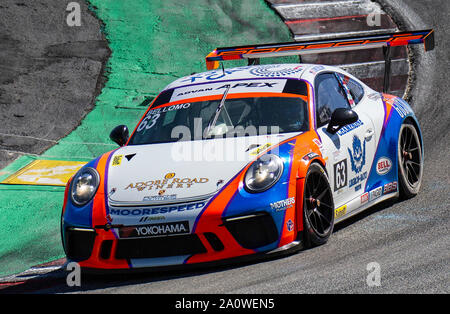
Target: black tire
column 410, row 161
column 318, row 207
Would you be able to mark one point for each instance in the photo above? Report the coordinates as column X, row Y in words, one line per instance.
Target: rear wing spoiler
column 254, row 52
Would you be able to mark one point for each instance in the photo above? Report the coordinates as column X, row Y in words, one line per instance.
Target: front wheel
column 318, row 207
column 410, row 162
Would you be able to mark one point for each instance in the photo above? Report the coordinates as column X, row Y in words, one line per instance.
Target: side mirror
column 341, row 117
column 119, row 135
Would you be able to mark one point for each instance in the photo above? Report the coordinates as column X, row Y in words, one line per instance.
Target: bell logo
column 384, row 165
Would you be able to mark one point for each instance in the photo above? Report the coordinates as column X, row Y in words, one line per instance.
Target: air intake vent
column 252, row 231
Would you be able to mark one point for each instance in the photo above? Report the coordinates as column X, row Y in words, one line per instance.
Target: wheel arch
column 412, row 120
column 300, row 182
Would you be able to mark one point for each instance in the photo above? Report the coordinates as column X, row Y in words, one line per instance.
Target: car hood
column 182, row 171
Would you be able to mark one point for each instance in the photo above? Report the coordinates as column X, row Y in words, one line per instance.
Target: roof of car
column 268, row 71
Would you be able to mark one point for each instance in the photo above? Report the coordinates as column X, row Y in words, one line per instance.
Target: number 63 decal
column 148, row 122
column 340, row 174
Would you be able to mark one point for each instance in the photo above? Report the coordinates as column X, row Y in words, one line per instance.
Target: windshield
column 239, row 115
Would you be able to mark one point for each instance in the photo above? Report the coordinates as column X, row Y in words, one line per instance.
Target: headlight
column 84, row 186
column 263, row 173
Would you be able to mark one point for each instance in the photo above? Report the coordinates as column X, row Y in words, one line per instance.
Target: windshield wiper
column 213, row 121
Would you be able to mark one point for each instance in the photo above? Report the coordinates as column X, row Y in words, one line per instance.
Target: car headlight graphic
column 263, row 173
column 84, row 186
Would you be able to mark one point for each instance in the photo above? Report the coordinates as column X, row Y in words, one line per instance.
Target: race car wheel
column 318, row 207
column 410, row 162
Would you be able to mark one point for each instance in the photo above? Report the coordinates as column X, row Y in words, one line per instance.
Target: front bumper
column 102, row 247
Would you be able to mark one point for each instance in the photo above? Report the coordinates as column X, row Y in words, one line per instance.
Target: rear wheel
column 410, row 162
column 318, row 207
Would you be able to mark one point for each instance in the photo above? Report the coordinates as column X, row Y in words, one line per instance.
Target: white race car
column 245, row 161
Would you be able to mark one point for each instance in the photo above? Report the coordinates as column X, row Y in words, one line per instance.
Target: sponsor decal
column 340, row 175
column 194, row 91
column 316, row 69
column 153, row 115
column 310, row 156
column 275, row 70
column 290, row 225
column 258, row 150
column 317, row 142
column 169, row 108
column 375, row 96
column 154, row 230
column 319, row 145
column 375, row 193
column 250, row 84
column 390, row 187
column 156, row 210
column 402, row 107
column 339, row 212
column 350, row 127
column 169, row 175
column 213, row 75
column 244, row 85
column 117, row 160
column 364, row 198
column 160, row 197
column 283, row 204
column 169, row 182
column 151, row 218
column 358, row 179
column 357, row 154
column 357, row 161
column 384, row 165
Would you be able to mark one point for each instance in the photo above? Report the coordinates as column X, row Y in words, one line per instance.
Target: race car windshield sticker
column 244, row 86
column 241, row 115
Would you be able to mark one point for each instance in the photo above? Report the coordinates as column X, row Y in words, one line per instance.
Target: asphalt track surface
column 408, row 239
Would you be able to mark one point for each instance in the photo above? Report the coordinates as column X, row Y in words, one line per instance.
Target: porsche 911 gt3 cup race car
column 245, row 161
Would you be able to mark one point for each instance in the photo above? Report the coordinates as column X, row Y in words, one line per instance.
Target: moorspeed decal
column 167, row 209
